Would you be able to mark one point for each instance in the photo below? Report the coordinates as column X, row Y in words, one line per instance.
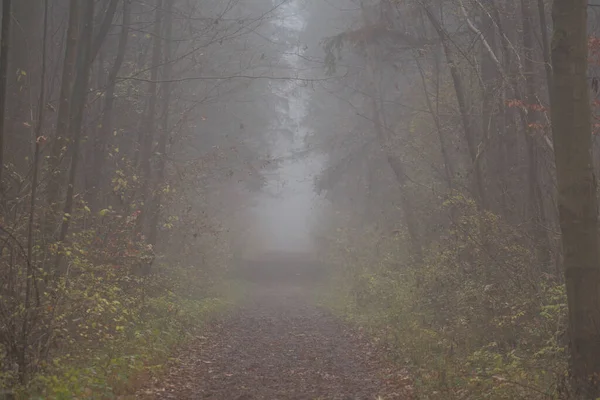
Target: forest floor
column 278, row 345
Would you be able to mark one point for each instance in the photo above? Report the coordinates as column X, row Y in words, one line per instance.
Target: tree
column 577, row 203
column 4, row 49
column 164, row 126
column 80, row 86
column 149, row 127
column 55, row 173
column 99, row 128
column 483, row 110
column 104, row 135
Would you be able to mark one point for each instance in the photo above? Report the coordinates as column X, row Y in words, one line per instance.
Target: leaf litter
column 279, row 346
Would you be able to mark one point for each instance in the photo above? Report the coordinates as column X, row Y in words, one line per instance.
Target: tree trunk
column 4, row 51
column 448, row 168
column 78, row 104
column 105, row 132
column 577, row 203
column 147, row 134
column 545, row 43
column 535, row 204
column 393, row 160
column 104, row 28
column 407, row 208
column 164, row 125
column 56, row 175
column 479, row 190
column 23, row 84
column 30, row 274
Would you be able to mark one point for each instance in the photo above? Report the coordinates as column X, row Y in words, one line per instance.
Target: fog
column 299, row 199
column 285, row 213
column 284, row 218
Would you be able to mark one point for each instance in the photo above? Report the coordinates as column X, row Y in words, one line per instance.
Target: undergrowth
column 122, row 345
column 475, row 319
column 108, row 322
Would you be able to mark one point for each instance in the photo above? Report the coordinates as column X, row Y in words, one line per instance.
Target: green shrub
column 101, row 326
column 476, row 319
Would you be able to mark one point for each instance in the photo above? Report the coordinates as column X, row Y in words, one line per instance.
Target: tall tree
column 79, row 95
column 461, row 99
column 4, row 49
column 164, row 124
column 103, row 138
column 148, row 132
column 385, row 141
column 577, row 203
column 535, row 203
column 55, row 173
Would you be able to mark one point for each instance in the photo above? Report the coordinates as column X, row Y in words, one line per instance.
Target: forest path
column 279, row 346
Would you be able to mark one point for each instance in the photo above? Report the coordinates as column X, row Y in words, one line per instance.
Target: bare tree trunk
column 577, row 203
column 24, row 66
column 394, row 161
column 536, row 211
column 4, row 52
column 545, row 43
column 397, row 166
column 103, row 139
column 30, row 278
column 448, row 169
column 509, row 144
column 164, row 125
column 147, row 136
column 78, row 105
column 489, row 70
column 459, row 89
column 407, row 207
column 55, row 179
column 491, row 75
column 104, row 28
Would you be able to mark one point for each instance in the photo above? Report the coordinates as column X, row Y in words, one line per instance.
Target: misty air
column 299, row 199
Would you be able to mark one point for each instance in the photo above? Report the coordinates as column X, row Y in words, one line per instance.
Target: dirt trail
column 278, row 346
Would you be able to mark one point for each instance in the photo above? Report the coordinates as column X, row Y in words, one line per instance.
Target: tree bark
column 164, row 125
column 535, row 204
column 4, row 53
column 56, row 175
column 577, row 203
column 30, row 274
column 479, row 190
column 105, row 133
column 393, row 160
column 545, row 43
column 23, row 84
column 147, row 135
column 448, row 168
column 104, row 28
column 78, row 104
